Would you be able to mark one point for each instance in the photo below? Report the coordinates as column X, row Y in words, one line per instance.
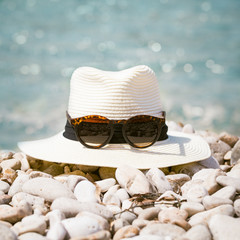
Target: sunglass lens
column 94, row 131
column 141, row 131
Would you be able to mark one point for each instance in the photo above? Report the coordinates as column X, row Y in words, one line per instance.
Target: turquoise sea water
column 193, row 47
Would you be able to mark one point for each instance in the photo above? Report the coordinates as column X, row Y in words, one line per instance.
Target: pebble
column 33, row 223
column 163, row 230
column 177, row 180
column 106, row 172
column 57, row 231
column 9, row 175
column 235, row 173
column 209, row 179
column 219, row 149
column 203, row 217
column 4, row 186
column 101, row 235
column 188, row 128
column 224, row 227
column 85, row 191
column 23, row 159
column 174, row 216
column 36, row 174
column 73, row 180
column 237, row 207
column 84, row 224
column 34, row 201
column 140, row 223
column 149, row 213
column 54, row 169
column 229, row 181
column 144, row 237
column 192, row 208
column 5, row 199
column 117, row 224
column 112, row 199
column 197, row 232
column 5, row 155
column 10, row 164
column 228, row 192
column 17, row 184
column 71, row 207
column 15, row 214
column 55, row 217
column 170, row 196
column 105, row 184
column 133, row 180
column 122, row 194
column 158, row 180
column 196, row 193
column 47, row 188
column 6, row 233
column 235, row 156
column 210, row 202
column 126, row 232
column 231, row 140
column 228, row 155
column 127, row 216
column 31, row 236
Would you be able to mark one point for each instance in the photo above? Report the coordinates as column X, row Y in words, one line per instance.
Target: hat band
column 117, row 137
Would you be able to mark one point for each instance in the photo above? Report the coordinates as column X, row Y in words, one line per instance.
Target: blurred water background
column 193, row 47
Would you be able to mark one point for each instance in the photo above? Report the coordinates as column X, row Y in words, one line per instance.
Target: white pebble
column 85, row 191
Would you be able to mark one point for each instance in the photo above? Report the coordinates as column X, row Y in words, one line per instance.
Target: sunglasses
column 96, row 131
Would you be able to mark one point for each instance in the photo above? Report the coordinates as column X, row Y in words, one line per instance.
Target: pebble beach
column 42, row 200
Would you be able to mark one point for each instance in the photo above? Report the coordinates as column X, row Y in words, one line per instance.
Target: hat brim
column 179, row 148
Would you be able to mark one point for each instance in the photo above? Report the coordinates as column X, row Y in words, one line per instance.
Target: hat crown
column 115, row 95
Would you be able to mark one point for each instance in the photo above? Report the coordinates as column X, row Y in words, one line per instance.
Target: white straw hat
column 117, row 95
